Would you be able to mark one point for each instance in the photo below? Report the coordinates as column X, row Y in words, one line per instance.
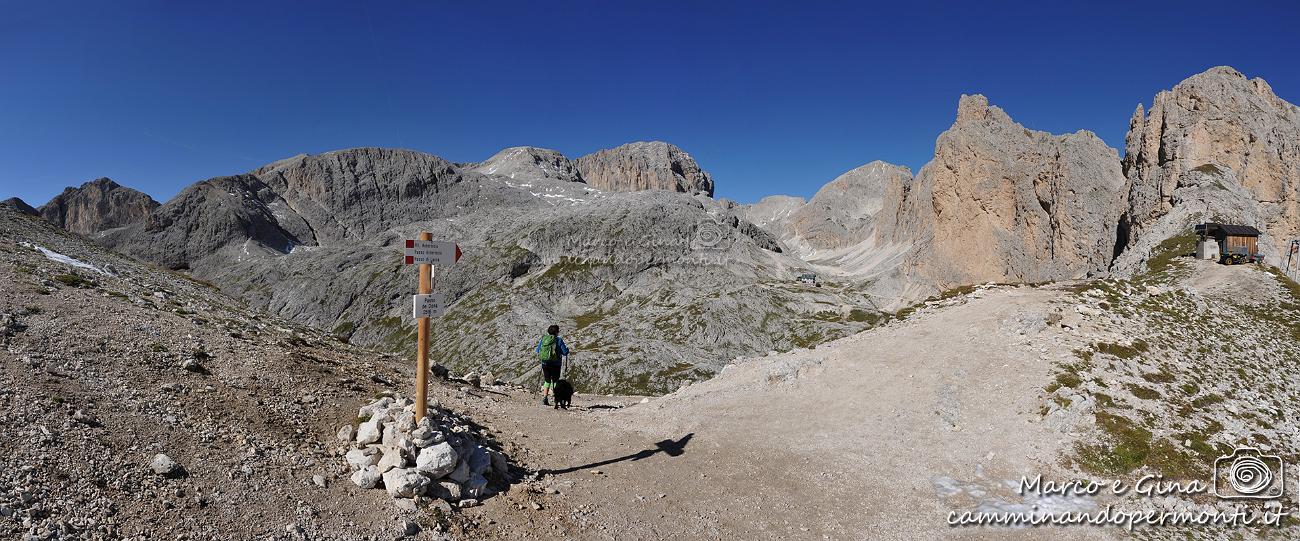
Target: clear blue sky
column 771, row 98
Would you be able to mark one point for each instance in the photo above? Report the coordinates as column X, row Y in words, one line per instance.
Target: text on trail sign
column 431, row 252
column 431, row 305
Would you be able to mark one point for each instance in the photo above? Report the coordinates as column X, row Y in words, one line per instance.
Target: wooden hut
column 1237, row 243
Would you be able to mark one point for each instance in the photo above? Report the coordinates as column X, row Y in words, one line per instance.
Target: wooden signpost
column 426, row 253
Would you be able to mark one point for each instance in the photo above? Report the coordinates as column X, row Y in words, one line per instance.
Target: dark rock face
column 18, row 205
column 645, row 166
column 96, row 206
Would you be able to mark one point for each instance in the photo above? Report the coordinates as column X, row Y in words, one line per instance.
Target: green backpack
column 549, row 351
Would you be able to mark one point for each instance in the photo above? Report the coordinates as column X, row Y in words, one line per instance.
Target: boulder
column 437, row 460
column 390, row 435
column 367, row 477
column 476, row 487
column 361, row 458
column 461, row 474
column 392, row 458
column 499, row 463
column 370, row 431
column 479, row 459
column 373, row 409
column 405, row 482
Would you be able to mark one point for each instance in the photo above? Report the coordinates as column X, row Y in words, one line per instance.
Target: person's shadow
column 668, row 447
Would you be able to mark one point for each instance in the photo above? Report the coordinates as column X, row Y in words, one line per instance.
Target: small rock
column 467, row 503
column 473, row 379
column 410, row 526
column 346, row 433
column 405, row 504
column 441, row 506
column 446, row 491
column 440, row 371
column 537, row 506
column 645, row 400
column 164, row 465
column 83, row 418
column 370, row 431
column 319, row 480
column 392, row 459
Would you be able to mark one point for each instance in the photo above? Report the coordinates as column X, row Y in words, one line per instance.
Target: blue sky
column 769, row 97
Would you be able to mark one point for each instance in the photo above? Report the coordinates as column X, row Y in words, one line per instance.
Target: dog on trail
column 563, row 394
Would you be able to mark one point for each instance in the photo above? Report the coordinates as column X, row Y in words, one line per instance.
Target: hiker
column 551, row 351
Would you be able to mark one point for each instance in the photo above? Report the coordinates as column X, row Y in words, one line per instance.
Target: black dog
column 563, row 394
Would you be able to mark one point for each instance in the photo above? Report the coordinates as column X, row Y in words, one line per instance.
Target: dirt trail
column 879, row 435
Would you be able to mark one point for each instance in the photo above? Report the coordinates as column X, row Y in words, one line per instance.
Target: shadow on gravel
column 669, row 447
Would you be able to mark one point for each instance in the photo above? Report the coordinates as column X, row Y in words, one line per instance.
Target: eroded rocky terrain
column 143, row 404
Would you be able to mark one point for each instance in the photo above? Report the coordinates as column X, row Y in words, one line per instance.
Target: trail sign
column 431, row 252
column 426, row 253
column 430, row 305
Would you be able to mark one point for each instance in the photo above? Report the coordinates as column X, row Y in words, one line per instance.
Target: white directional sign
column 431, row 252
column 431, row 305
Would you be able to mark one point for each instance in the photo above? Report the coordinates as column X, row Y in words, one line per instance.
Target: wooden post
column 422, row 333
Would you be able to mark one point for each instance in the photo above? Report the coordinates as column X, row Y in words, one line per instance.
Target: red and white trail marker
column 431, row 252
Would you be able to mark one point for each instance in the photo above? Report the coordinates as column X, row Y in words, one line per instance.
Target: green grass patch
column 72, row 280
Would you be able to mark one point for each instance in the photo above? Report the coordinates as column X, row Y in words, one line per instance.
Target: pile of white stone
column 438, row 457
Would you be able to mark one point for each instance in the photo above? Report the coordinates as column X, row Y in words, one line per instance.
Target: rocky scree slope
column 107, row 363
column 653, row 288
column 1183, row 362
column 97, row 205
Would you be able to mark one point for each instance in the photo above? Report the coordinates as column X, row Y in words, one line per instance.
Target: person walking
column 551, row 351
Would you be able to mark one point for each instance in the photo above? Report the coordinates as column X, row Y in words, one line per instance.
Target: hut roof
column 1212, row 229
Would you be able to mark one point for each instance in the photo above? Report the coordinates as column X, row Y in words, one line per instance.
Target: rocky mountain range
column 658, row 282
column 653, row 288
column 1002, row 203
